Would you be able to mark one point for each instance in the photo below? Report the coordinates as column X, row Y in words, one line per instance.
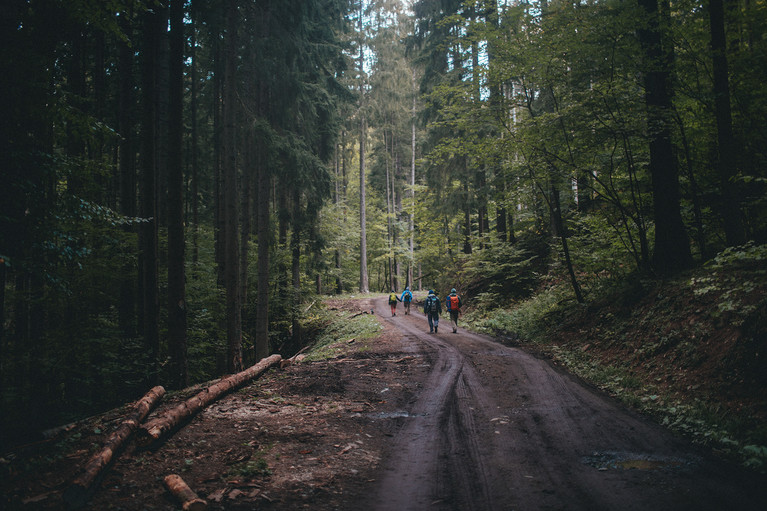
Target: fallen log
column 79, row 491
column 154, row 430
column 188, row 498
column 289, row 361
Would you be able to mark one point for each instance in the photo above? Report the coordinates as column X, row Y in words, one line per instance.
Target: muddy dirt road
column 494, row 428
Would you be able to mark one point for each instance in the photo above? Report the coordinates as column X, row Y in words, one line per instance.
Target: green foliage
column 258, row 467
column 527, row 319
column 600, row 248
column 735, row 295
column 503, row 270
column 340, row 330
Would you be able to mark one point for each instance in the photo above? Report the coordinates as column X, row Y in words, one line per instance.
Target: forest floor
column 407, row 420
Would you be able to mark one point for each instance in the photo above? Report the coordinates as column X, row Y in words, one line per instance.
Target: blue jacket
column 406, row 296
column 447, row 301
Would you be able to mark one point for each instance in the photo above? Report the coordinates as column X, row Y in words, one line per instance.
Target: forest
column 184, row 180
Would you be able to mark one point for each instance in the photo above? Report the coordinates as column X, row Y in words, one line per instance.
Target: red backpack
column 454, row 302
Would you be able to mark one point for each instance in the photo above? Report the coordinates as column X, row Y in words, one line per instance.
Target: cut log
column 78, row 493
column 189, row 499
column 295, row 358
column 154, row 430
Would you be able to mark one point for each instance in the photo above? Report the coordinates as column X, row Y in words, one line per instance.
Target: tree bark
column 556, row 211
column 262, row 300
column 246, row 226
column 263, row 225
column 411, row 226
column 337, row 252
column 154, row 430
column 127, row 171
column 295, row 266
column 78, row 493
column 148, row 249
column 364, row 284
column 176, row 304
column 672, row 250
column 232, row 253
column 195, row 138
column 728, row 155
column 466, row 217
column 188, row 498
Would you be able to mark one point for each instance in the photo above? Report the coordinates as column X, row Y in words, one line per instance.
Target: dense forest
column 182, row 180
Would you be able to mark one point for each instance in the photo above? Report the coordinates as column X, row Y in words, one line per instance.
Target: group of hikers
column 432, row 307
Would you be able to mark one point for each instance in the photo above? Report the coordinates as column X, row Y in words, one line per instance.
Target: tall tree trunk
column 295, row 267
column 127, row 169
column 219, row 217
column 411, row 215
column 672, row 250
column 263, row 188
column 500, row 210
column 389, row 216
column 480, row 176
column 364, row 286
column 246, row 191
column 561, row 231
column 195, row 177
column 3, row 272
column 337, row 251
column 727, row 160
column 262, row 298
column 232, row 253
column 176, row 281
column 148, row 250
column 466, row 218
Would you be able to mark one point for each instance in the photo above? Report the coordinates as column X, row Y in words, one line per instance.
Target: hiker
column 432, row 308
column 406, row 298
column 453, row 306
column 393, row 299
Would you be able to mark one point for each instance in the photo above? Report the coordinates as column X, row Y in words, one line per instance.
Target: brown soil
column 411, row 420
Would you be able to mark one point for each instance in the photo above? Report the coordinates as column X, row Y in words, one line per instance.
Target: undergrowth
column 677, row 349
column 342, row 329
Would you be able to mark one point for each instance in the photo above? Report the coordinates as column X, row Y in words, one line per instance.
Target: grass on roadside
column 342, row 329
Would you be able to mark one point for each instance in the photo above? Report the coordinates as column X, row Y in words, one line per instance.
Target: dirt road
column 494, row 428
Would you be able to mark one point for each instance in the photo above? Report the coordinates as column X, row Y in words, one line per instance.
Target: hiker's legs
column 454, row 320
column 407, row 308
column 436, row 323
column 393, row 307
column 430, row 317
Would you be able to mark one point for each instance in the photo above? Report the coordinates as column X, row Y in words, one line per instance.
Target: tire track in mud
column 494, row 428
column 436, row 458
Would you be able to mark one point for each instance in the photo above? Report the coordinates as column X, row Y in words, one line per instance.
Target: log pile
column 77, row 494
column 153, row 431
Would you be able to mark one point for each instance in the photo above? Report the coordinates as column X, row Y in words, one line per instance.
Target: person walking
column 406, row 298
column 453, row 306
column 393, row 299
column 432, row 308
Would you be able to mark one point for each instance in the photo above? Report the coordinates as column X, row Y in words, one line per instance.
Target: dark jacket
column 437, row 310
